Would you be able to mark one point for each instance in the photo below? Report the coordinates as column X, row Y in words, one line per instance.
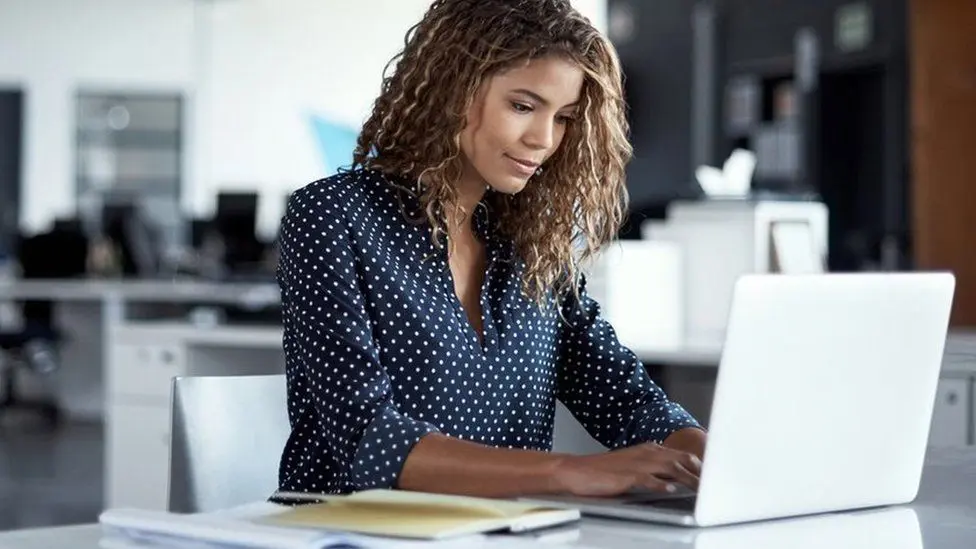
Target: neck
column 471, row 189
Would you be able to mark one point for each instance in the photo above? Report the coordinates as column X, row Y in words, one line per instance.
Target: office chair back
column 228, row 433
column 59, row 253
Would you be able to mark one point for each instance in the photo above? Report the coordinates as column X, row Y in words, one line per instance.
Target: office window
column 129, row 153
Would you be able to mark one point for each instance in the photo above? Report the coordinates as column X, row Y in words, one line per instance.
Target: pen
column 297, row 498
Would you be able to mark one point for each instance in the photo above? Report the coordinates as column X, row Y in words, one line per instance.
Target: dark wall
column 658, row 71
column 11, row 118
column 759, row 30
column 754, row 37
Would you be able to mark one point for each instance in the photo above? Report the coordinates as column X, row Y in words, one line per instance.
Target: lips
column 527, row 163
column 524, row 167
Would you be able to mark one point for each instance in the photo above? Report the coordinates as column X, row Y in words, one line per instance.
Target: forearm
column 690, row 440
column 442, row 464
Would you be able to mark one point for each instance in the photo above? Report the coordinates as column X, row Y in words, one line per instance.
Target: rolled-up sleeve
column 605, row 386
column 329, row 348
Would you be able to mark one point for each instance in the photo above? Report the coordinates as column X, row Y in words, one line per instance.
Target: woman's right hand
column 647, row 466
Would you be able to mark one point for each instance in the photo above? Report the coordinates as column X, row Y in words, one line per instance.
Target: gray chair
column 227, row 438
column 569, row 437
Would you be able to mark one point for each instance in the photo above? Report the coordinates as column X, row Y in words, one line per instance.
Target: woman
column 433, row 303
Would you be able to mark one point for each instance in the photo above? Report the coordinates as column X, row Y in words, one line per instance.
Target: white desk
column 88, row 309
column 942, row 517
column 703, row 356
column 176, row 290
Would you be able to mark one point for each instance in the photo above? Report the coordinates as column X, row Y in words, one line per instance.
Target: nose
column 541, row 134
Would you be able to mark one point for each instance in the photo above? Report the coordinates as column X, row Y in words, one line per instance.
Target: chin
column 508, row 184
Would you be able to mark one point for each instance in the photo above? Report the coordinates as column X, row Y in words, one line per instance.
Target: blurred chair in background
column 135, row 240
column 32, row 346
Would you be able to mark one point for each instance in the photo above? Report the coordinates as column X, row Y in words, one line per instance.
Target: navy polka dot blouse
column 380, row 353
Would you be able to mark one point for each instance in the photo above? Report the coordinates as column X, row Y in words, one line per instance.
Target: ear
column 477, row 106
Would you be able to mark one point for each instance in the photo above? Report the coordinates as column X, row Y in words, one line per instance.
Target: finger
column 692, row 464
column 657, row 484
column 689, row 461
column 672, row 470
column 674, row 465
column 684, row 476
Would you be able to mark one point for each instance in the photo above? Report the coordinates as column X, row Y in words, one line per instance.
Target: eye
column 521, row 107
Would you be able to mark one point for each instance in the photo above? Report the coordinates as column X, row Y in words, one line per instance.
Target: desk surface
column 705, row 356
column 943, row 517
column 142, row 290
column 220, row 335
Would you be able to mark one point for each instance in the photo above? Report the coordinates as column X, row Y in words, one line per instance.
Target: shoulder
column 317, row 221
column 349, row 197
column 340, row 192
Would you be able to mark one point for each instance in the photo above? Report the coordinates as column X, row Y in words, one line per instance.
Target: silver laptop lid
column 824, row 394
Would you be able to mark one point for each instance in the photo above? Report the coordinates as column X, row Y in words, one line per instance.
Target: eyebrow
column 538, row 98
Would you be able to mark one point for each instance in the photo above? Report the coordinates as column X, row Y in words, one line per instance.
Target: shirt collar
column 486, row 227
column 484, row 219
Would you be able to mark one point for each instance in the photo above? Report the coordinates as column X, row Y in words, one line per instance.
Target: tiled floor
column 49, row 476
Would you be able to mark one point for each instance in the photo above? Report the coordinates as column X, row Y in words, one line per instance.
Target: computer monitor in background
column 236, row 220
column 237, row 211
column 200, row 229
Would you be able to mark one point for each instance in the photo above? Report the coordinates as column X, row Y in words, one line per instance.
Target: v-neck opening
column 485, row 341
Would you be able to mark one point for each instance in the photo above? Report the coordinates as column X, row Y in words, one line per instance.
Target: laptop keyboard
column 676, row 504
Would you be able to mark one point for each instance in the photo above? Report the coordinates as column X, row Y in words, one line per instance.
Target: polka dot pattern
column 379, row 351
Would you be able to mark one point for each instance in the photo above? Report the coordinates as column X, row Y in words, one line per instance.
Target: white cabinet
column 143, row 359
column 141, row 367
column 953, row 412
column 145, row 370
column 638, row 284
column 721, row 240
column 137, row 455
column 954, row 416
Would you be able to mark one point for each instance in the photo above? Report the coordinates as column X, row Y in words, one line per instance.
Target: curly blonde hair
column 566, row 214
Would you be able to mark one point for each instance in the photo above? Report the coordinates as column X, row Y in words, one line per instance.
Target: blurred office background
column 148, row 147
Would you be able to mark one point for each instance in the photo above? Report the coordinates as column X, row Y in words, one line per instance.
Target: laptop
column 823, row 400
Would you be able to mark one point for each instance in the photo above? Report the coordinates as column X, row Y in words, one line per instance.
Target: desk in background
column 88, row 310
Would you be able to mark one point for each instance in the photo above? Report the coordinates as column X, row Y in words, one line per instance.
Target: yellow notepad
column 406, row 514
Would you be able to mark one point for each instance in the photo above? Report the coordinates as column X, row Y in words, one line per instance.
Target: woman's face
column 518, row 120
